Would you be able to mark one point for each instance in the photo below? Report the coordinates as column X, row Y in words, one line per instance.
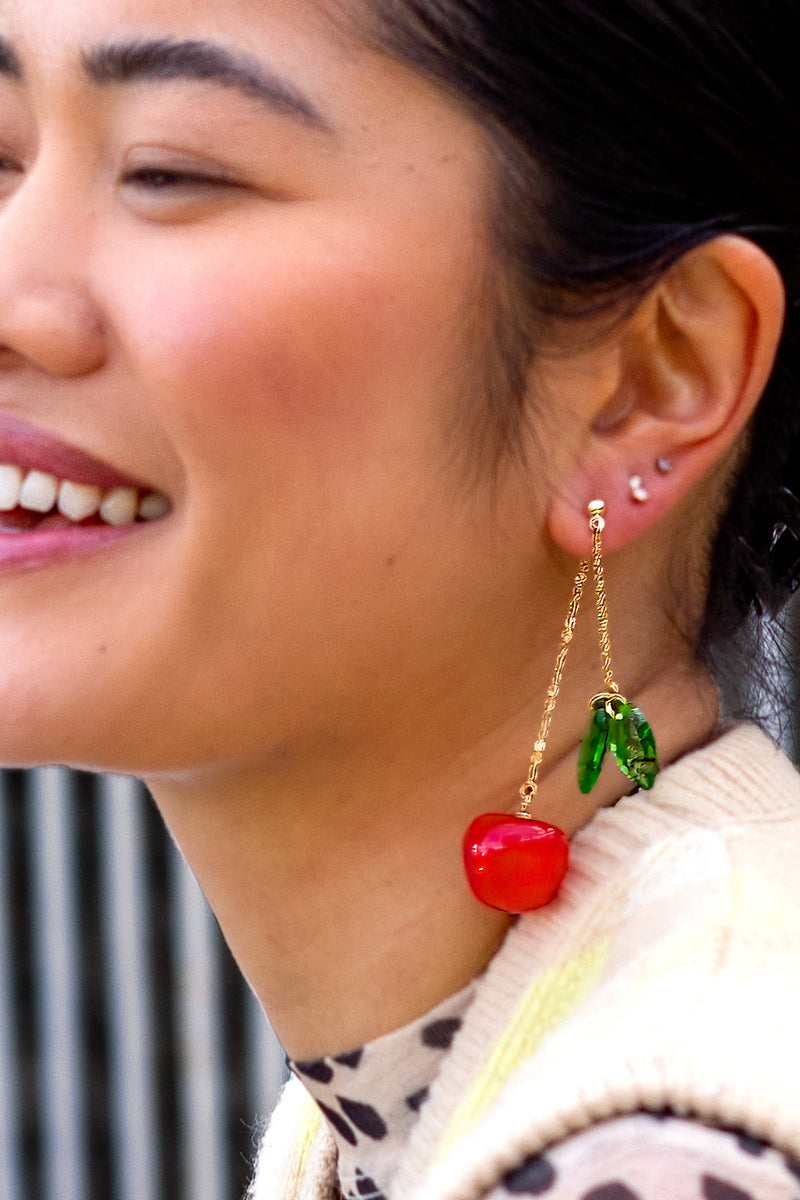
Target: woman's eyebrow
column 163, row 59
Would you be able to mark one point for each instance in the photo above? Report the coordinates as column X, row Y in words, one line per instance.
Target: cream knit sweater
column 666, row 974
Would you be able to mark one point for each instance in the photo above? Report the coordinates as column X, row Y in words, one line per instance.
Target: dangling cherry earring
column 513, row 862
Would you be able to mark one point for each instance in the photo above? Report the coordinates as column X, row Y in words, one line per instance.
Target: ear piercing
column 638, row 492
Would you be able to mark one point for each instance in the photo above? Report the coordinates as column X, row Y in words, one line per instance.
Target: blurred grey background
column 134, row 1062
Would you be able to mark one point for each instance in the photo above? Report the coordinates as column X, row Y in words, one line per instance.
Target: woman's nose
column 48, row 317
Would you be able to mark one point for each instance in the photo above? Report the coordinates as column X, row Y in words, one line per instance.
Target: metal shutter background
column 134, row 1063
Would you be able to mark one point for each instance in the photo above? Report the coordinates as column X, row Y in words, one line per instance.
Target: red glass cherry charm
column 513, row 863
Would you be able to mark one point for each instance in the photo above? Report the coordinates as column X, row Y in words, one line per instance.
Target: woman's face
column 241, row 265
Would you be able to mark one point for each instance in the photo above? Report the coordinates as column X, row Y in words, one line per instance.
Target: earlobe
column 693, row 361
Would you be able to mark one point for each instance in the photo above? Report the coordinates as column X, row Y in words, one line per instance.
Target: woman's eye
column 163, row 193
column 162, row 179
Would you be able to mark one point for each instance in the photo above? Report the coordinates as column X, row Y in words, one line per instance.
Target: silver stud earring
column 663, row 466
column 639, row 493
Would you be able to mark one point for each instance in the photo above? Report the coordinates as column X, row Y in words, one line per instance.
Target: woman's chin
column 74, row 734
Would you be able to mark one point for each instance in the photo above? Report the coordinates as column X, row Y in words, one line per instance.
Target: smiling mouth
column 36, row 500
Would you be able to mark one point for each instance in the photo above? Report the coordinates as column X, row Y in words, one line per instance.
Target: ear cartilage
column 639, row 493
column 663, row 466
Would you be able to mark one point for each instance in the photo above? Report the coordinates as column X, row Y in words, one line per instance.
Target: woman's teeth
column 40, row 492
column 78, row 500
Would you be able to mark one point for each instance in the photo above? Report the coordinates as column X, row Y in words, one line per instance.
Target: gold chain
column 597, row 525
column 531, row 786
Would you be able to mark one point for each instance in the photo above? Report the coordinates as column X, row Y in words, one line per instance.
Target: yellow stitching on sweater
column 307, row 1129
column 549, row 1000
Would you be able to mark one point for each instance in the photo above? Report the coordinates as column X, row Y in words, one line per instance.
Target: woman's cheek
column 313, row 336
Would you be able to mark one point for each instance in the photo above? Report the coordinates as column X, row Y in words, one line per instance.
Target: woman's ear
column 675, row 385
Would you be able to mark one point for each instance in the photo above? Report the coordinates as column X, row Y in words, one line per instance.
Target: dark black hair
column 627, row 132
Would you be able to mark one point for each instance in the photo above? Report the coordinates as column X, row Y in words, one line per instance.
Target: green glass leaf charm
column 593, row 749
column 631, row 741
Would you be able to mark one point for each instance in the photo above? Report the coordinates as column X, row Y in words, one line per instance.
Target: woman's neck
column 341, row 892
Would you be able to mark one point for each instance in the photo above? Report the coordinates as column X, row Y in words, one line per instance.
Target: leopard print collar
column 372, row 1096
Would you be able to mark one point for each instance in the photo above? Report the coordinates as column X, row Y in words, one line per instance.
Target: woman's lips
column 30, row 448
column 56, row 500
column 40, row 473
column 47, row 546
